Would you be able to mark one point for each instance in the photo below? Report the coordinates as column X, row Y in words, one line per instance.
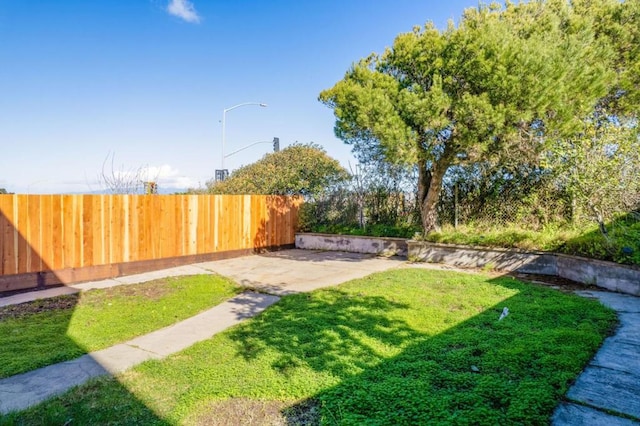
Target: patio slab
column 294, row 271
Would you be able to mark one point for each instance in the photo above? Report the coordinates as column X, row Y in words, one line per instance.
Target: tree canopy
column 299, row 169
column 617, row 24
column 499, row 86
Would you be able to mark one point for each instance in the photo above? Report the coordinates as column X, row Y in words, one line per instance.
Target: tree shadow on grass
column 118, row 407
column 324, row 338
column 479, row 370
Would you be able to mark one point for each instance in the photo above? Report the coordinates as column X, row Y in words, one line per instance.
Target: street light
column 224, row 115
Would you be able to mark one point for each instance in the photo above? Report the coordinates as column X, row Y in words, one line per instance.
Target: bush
column 621, row 244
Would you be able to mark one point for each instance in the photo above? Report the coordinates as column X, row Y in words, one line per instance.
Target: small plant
column 489, row 266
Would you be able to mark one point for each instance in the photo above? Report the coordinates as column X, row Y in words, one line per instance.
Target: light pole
column 275, row 142
column 224, row 115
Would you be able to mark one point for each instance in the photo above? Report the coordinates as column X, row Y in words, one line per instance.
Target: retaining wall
column 608, row 275
column 470, row 257
column 356, row 244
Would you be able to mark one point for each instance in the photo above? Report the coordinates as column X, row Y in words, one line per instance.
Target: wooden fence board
column 98, row 228
column 22, row 218
column 78, row 247
column 88, row 235
column 154, row 217
column 132, row 229
column 272, row 219
column 202, row 225
column 216, row 222
column 44, row 252
column 57, row 233
column 192, row 231
column 8, row 233
column 33, row 235
column 67, row 231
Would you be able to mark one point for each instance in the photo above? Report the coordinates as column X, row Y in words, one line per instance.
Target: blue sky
column 147, row 80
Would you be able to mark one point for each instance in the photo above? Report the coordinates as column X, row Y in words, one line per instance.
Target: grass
column 508, row 236
column 408, row 346
column 48, row 331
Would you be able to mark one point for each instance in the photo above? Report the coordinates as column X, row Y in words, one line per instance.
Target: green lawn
column 58, row 329
column 408, row 346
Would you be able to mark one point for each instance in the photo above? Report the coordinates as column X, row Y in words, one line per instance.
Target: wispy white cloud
column 183, row 9
column 165, row 176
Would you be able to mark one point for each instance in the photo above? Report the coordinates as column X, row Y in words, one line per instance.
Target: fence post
column 455, row 205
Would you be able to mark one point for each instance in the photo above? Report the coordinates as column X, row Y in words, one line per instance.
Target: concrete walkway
column 277, row 274
column 607, row 393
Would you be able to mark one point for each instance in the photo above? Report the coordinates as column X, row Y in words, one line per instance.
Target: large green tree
column 496, row 87
column 299, row 169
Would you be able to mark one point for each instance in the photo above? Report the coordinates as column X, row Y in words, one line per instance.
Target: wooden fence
column 53, row 239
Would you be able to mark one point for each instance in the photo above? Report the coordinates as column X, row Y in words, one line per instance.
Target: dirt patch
column 152, row 290
column 22, row 310
column 553, row 281
column 556, row 282
column 244, row 411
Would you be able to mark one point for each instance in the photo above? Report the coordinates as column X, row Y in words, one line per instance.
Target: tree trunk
column 429, row 188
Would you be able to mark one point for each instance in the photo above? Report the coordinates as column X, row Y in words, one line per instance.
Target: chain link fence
column 478, row 196
column 497, row 198
column 378, row 199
